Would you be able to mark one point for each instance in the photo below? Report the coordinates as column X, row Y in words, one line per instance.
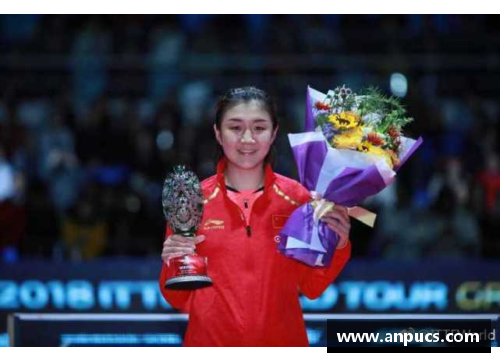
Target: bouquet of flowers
column 351, row 149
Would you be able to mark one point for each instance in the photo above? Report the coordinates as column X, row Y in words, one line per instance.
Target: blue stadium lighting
column 165, row 140
column 399, row 85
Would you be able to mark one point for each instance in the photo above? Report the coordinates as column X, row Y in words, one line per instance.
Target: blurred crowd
column 95, row 110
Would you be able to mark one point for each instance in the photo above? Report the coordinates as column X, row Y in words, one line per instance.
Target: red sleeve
column 314, row 281
column 178, row 299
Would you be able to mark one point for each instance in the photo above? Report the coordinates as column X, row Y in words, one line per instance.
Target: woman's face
column 246, row 134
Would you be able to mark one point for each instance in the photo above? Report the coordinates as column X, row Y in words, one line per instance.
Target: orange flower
column 322, row 106
column 375, row 139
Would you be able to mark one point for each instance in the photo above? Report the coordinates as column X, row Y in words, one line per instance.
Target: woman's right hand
column 177, row 245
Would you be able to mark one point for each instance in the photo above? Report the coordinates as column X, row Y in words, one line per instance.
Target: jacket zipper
column 247, row 226
column 249, row 229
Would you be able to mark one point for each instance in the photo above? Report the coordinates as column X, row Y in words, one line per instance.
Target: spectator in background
column 167, row 46
column 451, row 176
column 101, row 139
column 84, row 232
column 58, row 164
column 7, row 188
column 13, row 134
column 449, row 229
column 487, row 204
column 489, row 182
column 91, row 46
column 42, row 224
column 396, row 232
column 12, row 217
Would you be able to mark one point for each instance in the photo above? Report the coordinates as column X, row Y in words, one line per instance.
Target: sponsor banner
column 131, row 286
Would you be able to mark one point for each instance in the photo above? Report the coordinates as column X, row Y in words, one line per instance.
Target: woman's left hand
column 338, row 221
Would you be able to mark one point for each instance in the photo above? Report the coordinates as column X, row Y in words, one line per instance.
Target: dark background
column 94, row 110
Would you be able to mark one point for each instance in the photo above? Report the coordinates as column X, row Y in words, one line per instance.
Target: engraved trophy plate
column 182, row 201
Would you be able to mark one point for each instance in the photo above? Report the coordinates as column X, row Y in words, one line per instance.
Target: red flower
column 375, row 140
column 393, row 132
column 322, row 106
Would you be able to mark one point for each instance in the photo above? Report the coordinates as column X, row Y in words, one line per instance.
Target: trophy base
column 188, row 282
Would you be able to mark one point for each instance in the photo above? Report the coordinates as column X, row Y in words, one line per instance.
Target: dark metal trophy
column 182, row 201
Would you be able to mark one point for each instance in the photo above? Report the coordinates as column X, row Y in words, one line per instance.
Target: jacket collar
column 269, row 176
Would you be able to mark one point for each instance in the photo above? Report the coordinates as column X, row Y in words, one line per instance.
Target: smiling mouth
column 247, row 152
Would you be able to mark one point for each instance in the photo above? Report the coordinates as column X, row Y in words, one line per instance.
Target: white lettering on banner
column 119, row 294
column 34, row 295
column 80, row 295
column 57, row 294
column 382, row 296
column 8, row 295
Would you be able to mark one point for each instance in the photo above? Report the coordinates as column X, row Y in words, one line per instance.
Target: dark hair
column 247, row 94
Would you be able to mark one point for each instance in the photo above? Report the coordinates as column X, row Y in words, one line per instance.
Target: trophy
column 182, row 202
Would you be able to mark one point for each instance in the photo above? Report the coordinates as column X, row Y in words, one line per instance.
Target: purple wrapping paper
column 343, row 176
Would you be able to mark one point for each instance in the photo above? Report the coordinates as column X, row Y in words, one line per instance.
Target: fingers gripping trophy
column 182, row 201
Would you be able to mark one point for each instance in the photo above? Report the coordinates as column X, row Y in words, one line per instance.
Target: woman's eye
column 234, row 128
column 260, row 129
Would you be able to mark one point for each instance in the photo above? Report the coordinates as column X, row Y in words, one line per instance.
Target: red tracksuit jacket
column 254, row 299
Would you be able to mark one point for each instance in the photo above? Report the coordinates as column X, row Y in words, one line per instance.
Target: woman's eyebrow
column 258, row 120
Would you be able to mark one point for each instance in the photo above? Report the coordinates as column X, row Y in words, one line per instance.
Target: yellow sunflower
column 350, row 139
column 344, row 120
column 367, row 147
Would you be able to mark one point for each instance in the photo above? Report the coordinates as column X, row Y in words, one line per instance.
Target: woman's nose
column 247, row 137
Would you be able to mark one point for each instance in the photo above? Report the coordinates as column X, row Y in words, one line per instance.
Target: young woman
column 254, row 299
